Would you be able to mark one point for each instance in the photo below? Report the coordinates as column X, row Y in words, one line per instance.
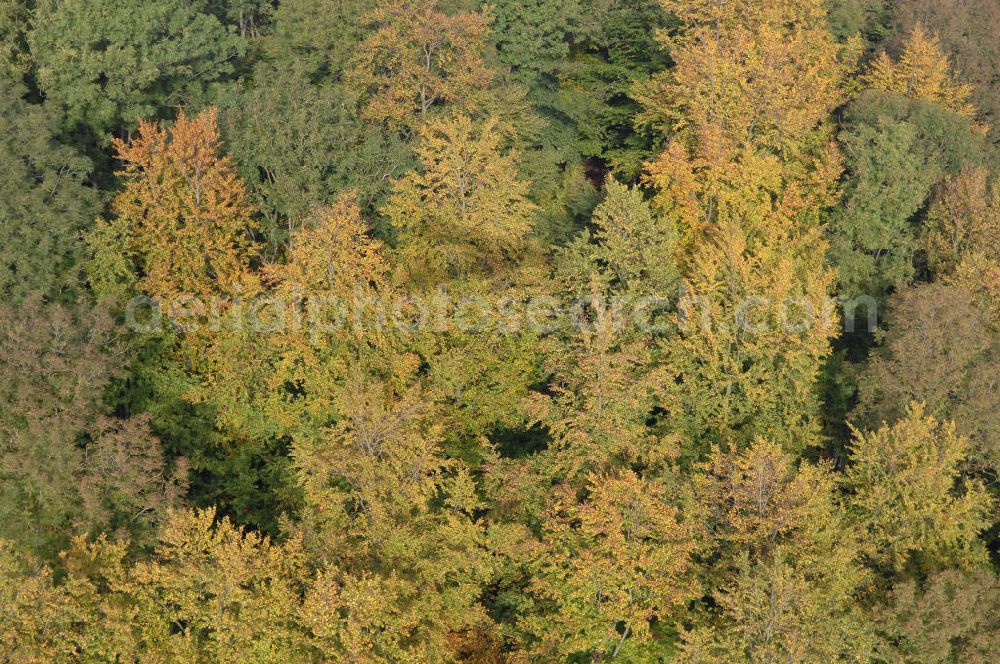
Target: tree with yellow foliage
column 601, row 400
column 420, row 57
column 332, row 253
column 748, row 73
column 30, row 630
column 785, row 565
column 617, row 286
column 922, row 72
column 273, row 378
column 612, row 562
column 233, row 594
column 463, row 247
column 746, row 177
column 211, row 592
column 313, row 328
column 394, row 523
column 466, row 210
column 909, row 496
column 614, row 570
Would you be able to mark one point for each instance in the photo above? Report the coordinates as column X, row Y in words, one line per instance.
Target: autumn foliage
column 184, row 210
column 438, row 331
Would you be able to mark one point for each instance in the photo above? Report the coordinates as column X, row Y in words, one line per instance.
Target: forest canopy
column 446, row 331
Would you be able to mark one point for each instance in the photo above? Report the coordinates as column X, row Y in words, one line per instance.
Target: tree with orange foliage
column 184, row 216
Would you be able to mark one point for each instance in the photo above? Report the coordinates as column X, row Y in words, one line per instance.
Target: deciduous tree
column 419, row 58
column 465, row 211
column 66, row 465
column 937, row 348
column 745, row 178
column 908, row 494
column 184, row 215
column 921, row 72
column 611, row 572
column 395, row 523
column 950, row 617
column 962, row 28
column 786, row 564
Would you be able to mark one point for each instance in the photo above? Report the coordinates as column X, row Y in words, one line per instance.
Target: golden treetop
column 922, row 71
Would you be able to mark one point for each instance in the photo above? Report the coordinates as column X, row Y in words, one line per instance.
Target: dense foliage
column 523, row 331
